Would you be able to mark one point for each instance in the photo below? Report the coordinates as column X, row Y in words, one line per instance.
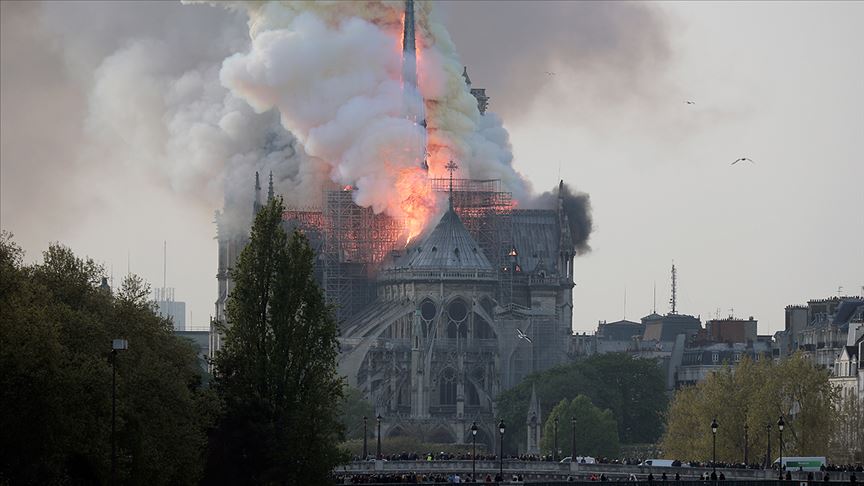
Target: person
column 713, row 475
column 488, row 478
column 810, row 476
column 826, row 478
column 788, row 476
column 722, row 476
column 663, row 477
column 650, row 478
column 677, row 477
column 852, row 478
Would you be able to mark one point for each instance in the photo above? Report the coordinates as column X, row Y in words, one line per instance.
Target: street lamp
column 365, row 453
column 378, row 418
column 768, row 453
column 501, row 428
column 116, row 345
column 780, row 425
column 555, row 444
column 746, row 428
column 714, row 446
column 473, row 450
column 573, row 439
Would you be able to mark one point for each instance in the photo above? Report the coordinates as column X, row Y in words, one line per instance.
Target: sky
column 593, row 93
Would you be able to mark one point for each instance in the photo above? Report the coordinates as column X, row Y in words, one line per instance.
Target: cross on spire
column 451, row 166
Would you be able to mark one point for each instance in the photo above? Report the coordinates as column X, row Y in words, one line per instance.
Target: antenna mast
column 164, row 264
column 674, row 299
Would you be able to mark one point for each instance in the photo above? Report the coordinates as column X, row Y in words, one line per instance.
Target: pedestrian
column 722, row 476
column 826, row 478
column 788, row 476
column 852, row 478
column 677, row 477
column 713, row 475
column 810, row 476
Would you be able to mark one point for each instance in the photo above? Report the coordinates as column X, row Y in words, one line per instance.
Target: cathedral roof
column 448, row 247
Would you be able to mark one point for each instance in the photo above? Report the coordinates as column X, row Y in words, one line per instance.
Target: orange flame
column 415, row 199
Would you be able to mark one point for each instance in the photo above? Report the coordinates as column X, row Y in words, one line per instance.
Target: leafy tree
column 596, row 430
column 633, row 389
column 756, row 394
column 276, row 370
column 352, row 410
column 848, row 442
column 56, row 328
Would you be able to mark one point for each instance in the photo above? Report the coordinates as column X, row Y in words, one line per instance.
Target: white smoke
column 333, row 70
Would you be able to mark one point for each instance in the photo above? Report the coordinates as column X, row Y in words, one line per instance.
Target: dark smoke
column 577, row 207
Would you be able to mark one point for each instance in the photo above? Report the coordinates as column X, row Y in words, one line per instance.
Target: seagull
column 743, row 159
column 522, row 335
column 550, row 73
column 689, row 102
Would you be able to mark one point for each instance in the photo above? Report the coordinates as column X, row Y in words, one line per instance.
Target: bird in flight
column 522, row 335
column 550, row 73
column 689, row 102
column 743, row 159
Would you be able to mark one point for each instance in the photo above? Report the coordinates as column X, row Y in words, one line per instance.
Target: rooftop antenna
column 625, row 303
column 164, row 264
column 674, row 299
column 655, row 297
column 839, row 290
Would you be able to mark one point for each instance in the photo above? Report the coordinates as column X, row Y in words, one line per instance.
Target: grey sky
column 778, row 82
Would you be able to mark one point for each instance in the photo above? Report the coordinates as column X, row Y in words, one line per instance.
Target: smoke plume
column 577, row 206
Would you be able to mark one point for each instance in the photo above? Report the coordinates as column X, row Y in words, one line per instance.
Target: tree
column 276, row 370
column 633, row 389
column 756, row 394
column 596, row 430
column 352, row 410
column 56, row 327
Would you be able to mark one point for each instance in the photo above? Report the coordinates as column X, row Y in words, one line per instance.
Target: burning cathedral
column 434, row 327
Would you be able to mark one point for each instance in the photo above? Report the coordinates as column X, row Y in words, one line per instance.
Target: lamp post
column 555, row 440
column 746, row 428
column 473, row 450
column 780, row 425
column 714, row 446
column 501, row 428
column 116, row 345
column 768, row 453
column 378, row 418
column 365, row 452
column 573, row 439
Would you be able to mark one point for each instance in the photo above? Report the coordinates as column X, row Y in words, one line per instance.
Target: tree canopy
column 755, row 393
column 56, row 328
column 596, row 430
column 276, row 370
column 632, row 389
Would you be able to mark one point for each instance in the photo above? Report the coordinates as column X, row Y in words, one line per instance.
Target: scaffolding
column 352, row 241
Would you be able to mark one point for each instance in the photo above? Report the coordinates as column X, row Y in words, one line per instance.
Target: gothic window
column 457, row 310
column 447, row 387
column 428, row 310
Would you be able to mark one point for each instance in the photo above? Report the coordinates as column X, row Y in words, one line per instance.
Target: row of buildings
column 828, row 331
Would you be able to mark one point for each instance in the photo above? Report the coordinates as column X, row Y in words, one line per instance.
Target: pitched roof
column 448, row 247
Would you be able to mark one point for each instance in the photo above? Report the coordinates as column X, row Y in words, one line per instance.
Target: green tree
column 596, row 430
column 352, row 410
column 756, row 394
column 276, row 370
column 56, row 327
column 633, row 389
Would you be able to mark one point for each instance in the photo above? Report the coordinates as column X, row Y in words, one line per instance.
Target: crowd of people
column 452, row 478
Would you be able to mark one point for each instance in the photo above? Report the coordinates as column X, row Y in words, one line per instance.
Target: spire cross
column 451, row 166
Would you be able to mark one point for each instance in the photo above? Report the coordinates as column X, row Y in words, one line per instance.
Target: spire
column 451, row 166
column 270, row 188
column 256, row 205
column 465, row 75
column 408, row 28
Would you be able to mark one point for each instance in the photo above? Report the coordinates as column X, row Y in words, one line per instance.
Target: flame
column 416, row 200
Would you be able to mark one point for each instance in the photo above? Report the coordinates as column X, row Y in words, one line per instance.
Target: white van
column 657, row 463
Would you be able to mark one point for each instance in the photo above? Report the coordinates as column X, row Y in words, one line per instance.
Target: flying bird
column 743, row 159
column 522, row 335
column 689, row 102
column 550, row 73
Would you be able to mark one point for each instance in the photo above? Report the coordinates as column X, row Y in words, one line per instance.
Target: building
column 821, row 329
column 433, row 330
column 169, row 308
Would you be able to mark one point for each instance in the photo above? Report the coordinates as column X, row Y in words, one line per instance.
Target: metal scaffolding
column 352, row 241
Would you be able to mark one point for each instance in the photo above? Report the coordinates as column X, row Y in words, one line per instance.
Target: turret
column 256, row 206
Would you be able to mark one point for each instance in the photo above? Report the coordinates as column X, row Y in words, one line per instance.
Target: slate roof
column 448, row 247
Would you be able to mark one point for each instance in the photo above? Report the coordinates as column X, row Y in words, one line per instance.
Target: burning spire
column 409, row 76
